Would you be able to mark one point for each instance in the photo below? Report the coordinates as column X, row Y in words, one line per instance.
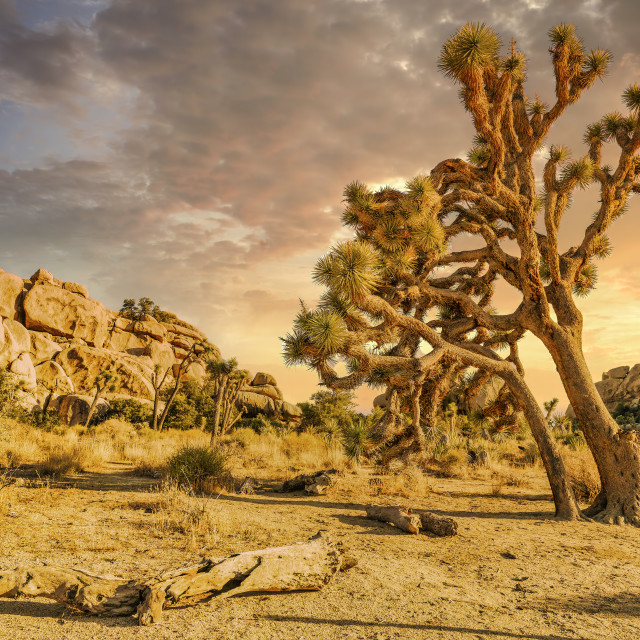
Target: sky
column 196, row 152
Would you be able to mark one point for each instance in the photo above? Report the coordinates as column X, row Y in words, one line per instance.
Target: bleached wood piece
column 402, row 518
column 304, row 566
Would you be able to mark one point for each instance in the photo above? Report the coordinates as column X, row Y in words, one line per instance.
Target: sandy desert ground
column 512, row 572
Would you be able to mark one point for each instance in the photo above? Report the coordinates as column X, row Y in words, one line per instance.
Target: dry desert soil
column 511, row 572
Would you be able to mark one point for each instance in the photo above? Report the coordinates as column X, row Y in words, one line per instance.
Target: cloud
column 43, row 66
column 227, row 131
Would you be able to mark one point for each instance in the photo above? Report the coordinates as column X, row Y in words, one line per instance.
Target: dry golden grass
column 203, row 522
column 506, row 463
column 282, row 457
column 583, row 473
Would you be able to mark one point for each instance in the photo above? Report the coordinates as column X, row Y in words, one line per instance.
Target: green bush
column 130, row 410
column 183, row 413
column 355, row 438
column 48, row 421
column 574, row 440
column 200, row 469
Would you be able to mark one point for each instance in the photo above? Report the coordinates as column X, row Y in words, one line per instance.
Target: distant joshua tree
column 226, row 381
column 199, row 352
column 106, row 381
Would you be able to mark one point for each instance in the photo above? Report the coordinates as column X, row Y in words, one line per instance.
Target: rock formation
column 57, row 340
column 621, row 384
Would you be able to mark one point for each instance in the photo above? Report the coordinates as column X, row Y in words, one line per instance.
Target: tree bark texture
column 441, row 526
column 305, row 566
column 567, row 507
column 616, row 452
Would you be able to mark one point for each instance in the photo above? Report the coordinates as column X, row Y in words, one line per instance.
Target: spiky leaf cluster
column 516, row 66
column 473, row 47
column 631, row 98
column 350, row 268
column 579, row 173
column 585, row 280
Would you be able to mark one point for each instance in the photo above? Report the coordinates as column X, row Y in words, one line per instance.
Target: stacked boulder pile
column 621, row 384
column 55, row 338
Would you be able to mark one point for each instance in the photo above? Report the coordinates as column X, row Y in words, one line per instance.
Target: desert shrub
column 404, row 480
column 68, row 460
column 530, row 453
column 355, row 438
column 183, row 413
column 200, row 468
column 9, row 387
column 263, row 424
column 130, row 410
column 47, row 421
column 453, row 463
column 259, row 424
column 328, row 406
column 574, row 440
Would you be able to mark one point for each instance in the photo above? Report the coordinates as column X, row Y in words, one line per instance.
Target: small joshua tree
column 199, row 352
column 106, row 381
column 226, row 381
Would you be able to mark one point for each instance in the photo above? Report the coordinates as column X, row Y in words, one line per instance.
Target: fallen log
column 304, row 566
column 301, row 482
column 411, row 522
column 404, row 519
column 438, row 525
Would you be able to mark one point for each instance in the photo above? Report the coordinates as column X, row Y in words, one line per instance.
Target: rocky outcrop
column 618, row 385
column 74, row 409
column 10, row 290
column 83, row 364
column 55, row 338
column 264, row 396
column 263, row 378
column 621, row 384
column 63, row 313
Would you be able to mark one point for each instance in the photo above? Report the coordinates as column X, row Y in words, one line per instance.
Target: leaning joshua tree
column 385, row 301
column 494, row 192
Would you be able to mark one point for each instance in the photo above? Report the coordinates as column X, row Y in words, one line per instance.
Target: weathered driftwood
column 319, row 478
column 438, row 525
column 406, row 520
column 297, row 567
column 402, row 518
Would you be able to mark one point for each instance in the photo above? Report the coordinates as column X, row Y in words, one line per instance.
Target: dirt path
column 512, row 572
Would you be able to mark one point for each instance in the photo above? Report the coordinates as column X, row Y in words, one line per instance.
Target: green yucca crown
column 474, row 46
column 350, row 267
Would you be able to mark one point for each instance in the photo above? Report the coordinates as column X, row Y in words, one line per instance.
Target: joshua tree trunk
column 616, row 453
column 170, row 399
column 47, row 402
column 564, row 499
column 222, row 386
column 416, row 427
column 157, row 387
column 92, row 408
